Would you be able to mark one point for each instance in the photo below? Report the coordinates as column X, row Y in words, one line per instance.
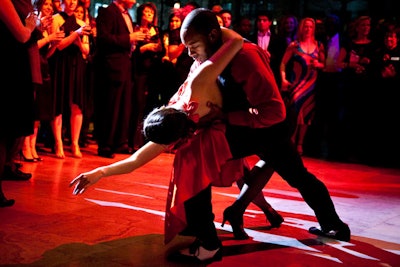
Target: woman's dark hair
column 140, row 9
column 167, row 125
column 37, row 4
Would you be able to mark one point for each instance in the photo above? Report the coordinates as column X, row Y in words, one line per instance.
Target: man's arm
column 250, row 69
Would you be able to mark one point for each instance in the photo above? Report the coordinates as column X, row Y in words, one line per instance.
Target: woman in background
column 148, row 57
column 355, row 59
column 44, row 94
column 67, row 71
column 173, row 50
column 308, row 55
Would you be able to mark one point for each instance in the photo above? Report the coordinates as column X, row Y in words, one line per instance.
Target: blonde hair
column 300, row 34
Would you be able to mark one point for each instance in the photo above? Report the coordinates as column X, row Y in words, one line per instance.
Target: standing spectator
column 184, row 61
column 148, row 58
column 19, row 56
column 190, row 5
column 287, row 33
column 44, row 93
column 187, row 8
column 57, row 6
column 173, row 50
column 355, row 58
column 171, row 38
column 67, row 72
column 329, row 124
column 216, row 8
column 244, row 27
column 88, row 113
column 308, row 56
column 226, row 16
column 386, row 71
column 82, row 13
column 116, row 40
column 262, row 34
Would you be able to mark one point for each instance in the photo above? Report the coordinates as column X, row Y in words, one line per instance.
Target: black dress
column 67, row 72
column 16, row 87
column 44, row 93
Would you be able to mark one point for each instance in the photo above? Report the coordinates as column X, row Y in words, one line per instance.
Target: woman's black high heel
column 274, row 218
column 236, row 222
column 23, row 158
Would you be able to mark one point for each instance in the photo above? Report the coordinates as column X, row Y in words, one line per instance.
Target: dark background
column 347, row 10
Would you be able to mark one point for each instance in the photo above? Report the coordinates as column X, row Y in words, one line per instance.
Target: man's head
column 226, row 16
column 332, row 25
column 263, row 21
column 126, row 4
column 201, row 34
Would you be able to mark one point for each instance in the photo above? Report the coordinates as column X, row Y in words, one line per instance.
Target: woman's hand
column 138, row 36
column 32, row 21
column 154, row 47
column 56, row 36
column 84, row 30
column 84, row 180
column 46, row 22
column 285, row 85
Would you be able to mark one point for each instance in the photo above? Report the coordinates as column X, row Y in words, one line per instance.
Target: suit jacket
column 113, row 47
column 113, row 79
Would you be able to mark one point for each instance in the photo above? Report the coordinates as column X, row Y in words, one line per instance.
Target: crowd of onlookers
column 339, row 80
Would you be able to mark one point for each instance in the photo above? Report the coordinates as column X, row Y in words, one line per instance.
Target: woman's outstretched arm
column 144, row 155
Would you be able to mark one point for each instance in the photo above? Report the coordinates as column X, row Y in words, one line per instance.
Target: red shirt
column 251, row 71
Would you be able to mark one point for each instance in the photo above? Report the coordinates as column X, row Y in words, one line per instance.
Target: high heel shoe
column 236, row 221
column 274, row 218
column 36, row 156
column 23, row 158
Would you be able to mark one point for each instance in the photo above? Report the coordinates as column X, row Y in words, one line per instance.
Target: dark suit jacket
column 113, row 48
column 113, row 78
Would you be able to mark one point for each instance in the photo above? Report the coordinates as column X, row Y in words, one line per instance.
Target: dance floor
column 120, row 220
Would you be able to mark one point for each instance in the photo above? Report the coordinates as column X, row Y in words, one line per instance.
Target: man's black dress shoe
column 15, row 175
column 342, row 233
column 18, row 165
column 6, row 202
column 105, row 153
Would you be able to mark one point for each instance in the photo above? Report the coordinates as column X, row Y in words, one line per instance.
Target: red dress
column 204, row 159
